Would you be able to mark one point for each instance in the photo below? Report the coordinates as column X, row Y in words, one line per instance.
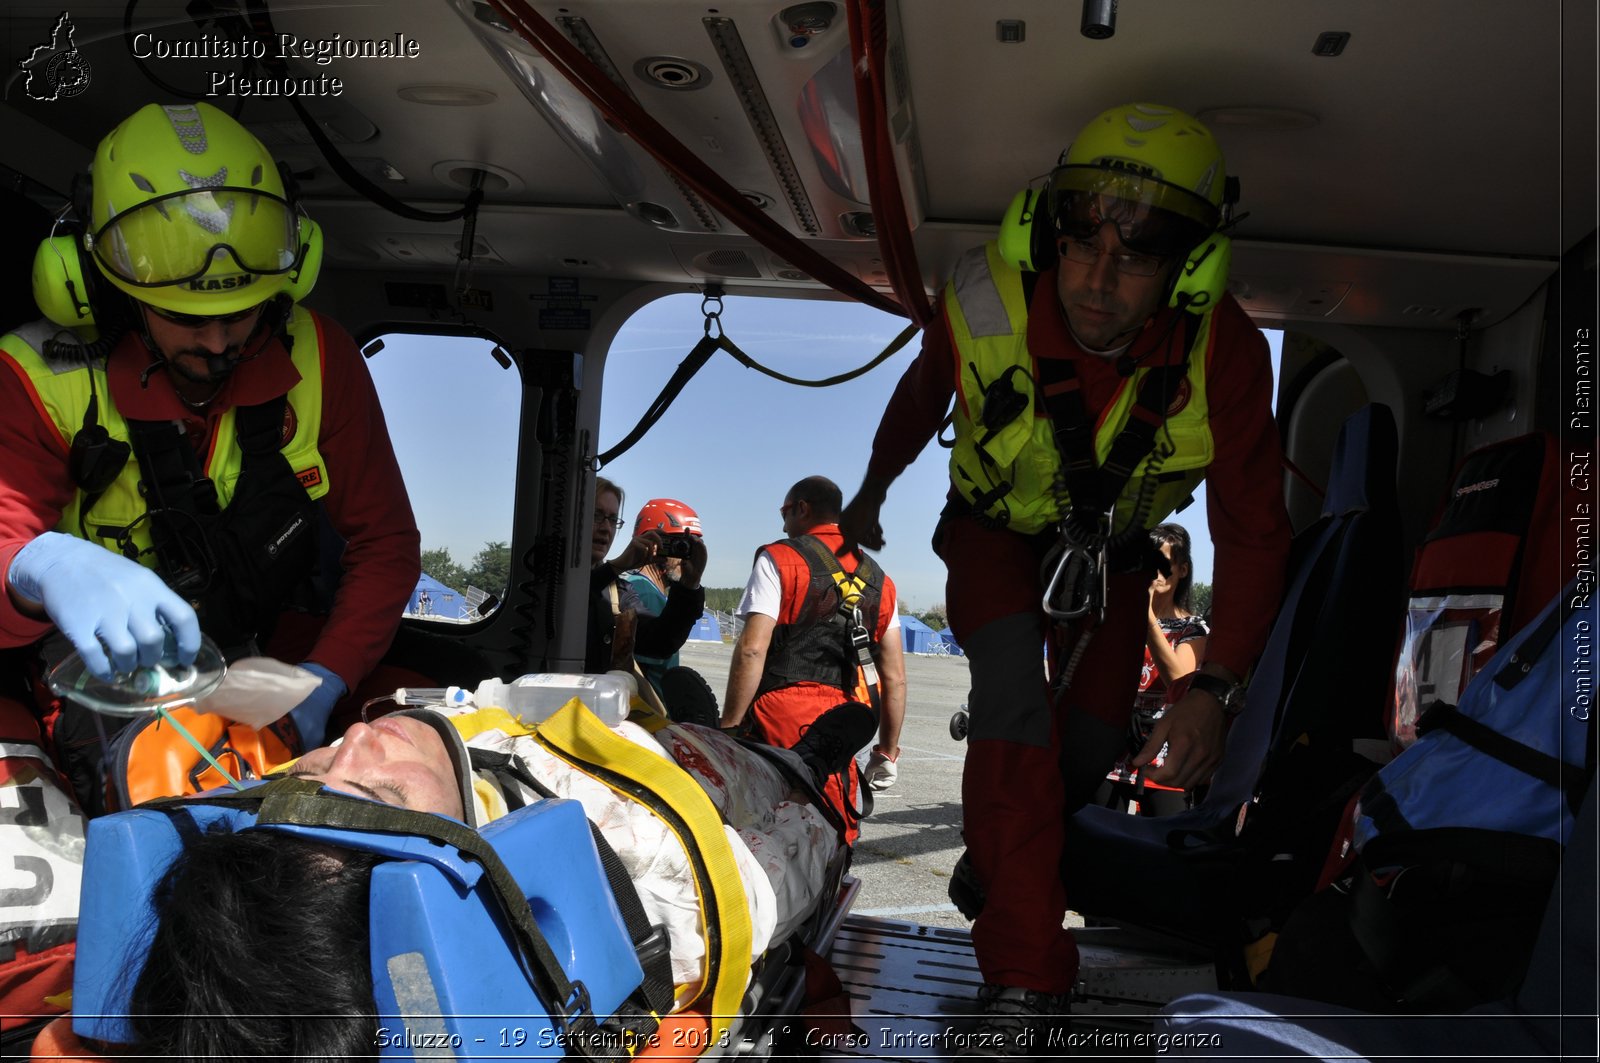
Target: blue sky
column 730, row 445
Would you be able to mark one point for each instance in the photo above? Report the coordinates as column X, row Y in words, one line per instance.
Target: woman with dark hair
column 262, row 943
column 1175, row 640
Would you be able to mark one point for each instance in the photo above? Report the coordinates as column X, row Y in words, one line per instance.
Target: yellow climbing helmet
column 189, row 214
column 1154, row 171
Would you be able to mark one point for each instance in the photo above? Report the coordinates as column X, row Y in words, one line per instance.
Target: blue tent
column 433, row 599
column 948, row 637
column 706, row 629
column 916, row 636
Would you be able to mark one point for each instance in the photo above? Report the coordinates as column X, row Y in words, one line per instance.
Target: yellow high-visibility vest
column 1016, row 468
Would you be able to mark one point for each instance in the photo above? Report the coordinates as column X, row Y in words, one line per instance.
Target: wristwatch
column 1229, row 695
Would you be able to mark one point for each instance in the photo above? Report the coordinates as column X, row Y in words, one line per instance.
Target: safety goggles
column 180, row 236
column 199, row 321
column 1152, row 217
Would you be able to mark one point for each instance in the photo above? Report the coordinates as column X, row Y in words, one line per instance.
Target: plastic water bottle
column 536, row 696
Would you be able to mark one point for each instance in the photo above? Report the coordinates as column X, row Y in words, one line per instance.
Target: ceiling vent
column 726, row 262
column 672, row 72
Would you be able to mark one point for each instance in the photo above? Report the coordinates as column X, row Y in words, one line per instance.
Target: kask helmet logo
column 56, row 70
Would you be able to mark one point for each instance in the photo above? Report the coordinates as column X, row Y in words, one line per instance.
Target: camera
column 677, row 545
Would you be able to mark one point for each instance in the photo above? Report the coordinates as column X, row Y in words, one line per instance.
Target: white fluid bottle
column 536, row 696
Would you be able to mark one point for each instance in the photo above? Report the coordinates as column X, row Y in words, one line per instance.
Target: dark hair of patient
column 261, row 950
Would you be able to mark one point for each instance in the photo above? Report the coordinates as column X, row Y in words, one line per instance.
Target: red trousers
column 1013, row 790
column 782, row 716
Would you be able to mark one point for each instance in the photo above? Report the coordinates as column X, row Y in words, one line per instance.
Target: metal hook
column 711, row 307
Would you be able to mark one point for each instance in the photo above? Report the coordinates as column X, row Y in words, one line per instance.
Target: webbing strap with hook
column 711, row 307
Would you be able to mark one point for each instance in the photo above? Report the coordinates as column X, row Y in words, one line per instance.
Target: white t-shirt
column 764, row 593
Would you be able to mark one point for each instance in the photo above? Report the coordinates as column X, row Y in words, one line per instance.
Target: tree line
column 490, row 569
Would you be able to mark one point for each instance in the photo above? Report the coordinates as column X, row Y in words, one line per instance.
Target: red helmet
column 668, row 516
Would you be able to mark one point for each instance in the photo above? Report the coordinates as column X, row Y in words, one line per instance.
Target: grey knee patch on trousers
column 1008, row 701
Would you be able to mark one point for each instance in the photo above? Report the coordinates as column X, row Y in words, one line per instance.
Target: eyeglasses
column 606, row 518
column 783, row 510
column 178, row 237
column 199, row 321
column 1087, row 253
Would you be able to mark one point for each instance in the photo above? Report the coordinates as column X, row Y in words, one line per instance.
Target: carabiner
column 713, row 316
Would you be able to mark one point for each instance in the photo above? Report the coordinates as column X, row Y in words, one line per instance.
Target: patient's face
column 395, row 759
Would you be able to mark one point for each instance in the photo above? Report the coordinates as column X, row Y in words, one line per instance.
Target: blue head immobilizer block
column 445, row 971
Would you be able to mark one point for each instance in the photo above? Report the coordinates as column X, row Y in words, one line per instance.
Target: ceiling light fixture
column 446, row 95
column 1276, row 118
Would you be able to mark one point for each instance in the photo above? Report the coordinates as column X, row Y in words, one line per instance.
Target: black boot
column 831, row 742
column 966, row 893
column 688, row 697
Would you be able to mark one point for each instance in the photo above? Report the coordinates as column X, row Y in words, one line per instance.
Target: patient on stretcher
column 264, row 942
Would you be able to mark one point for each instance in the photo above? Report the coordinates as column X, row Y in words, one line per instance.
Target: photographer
column 618, row 627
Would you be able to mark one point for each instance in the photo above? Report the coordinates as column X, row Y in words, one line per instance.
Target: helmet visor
column 184, row 235
column 1152, row 217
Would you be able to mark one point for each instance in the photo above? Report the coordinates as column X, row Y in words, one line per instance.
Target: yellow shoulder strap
column 473, row 724
column 629, row 770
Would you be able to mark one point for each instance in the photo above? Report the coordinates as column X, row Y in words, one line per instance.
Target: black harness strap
column 1542, row 766
column 859, row 647
column 181, row 499
column 1090, row 484
column 859, row 642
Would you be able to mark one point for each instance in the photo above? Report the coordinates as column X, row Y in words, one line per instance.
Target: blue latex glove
column 116, row 612
column 311, row 715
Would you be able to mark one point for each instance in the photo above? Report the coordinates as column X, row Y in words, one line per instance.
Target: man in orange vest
column 821, row 628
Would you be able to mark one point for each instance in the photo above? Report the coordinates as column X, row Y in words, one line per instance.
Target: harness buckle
column 859, row 635
column 577, row 1013
column 1077, row 583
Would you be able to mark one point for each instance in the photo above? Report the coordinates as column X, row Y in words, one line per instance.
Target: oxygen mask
column 144, row 691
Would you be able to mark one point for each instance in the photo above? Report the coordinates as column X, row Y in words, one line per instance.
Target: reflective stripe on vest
column 63, row 389
column 1013, row 474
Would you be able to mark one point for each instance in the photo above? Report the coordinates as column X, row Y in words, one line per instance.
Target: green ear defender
column 304, row 277
column 1025, row 239
column 60, row 283
column 1203, row 278
column 1016, row 231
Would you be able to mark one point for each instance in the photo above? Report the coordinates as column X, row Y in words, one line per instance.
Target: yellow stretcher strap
column 579, row 737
